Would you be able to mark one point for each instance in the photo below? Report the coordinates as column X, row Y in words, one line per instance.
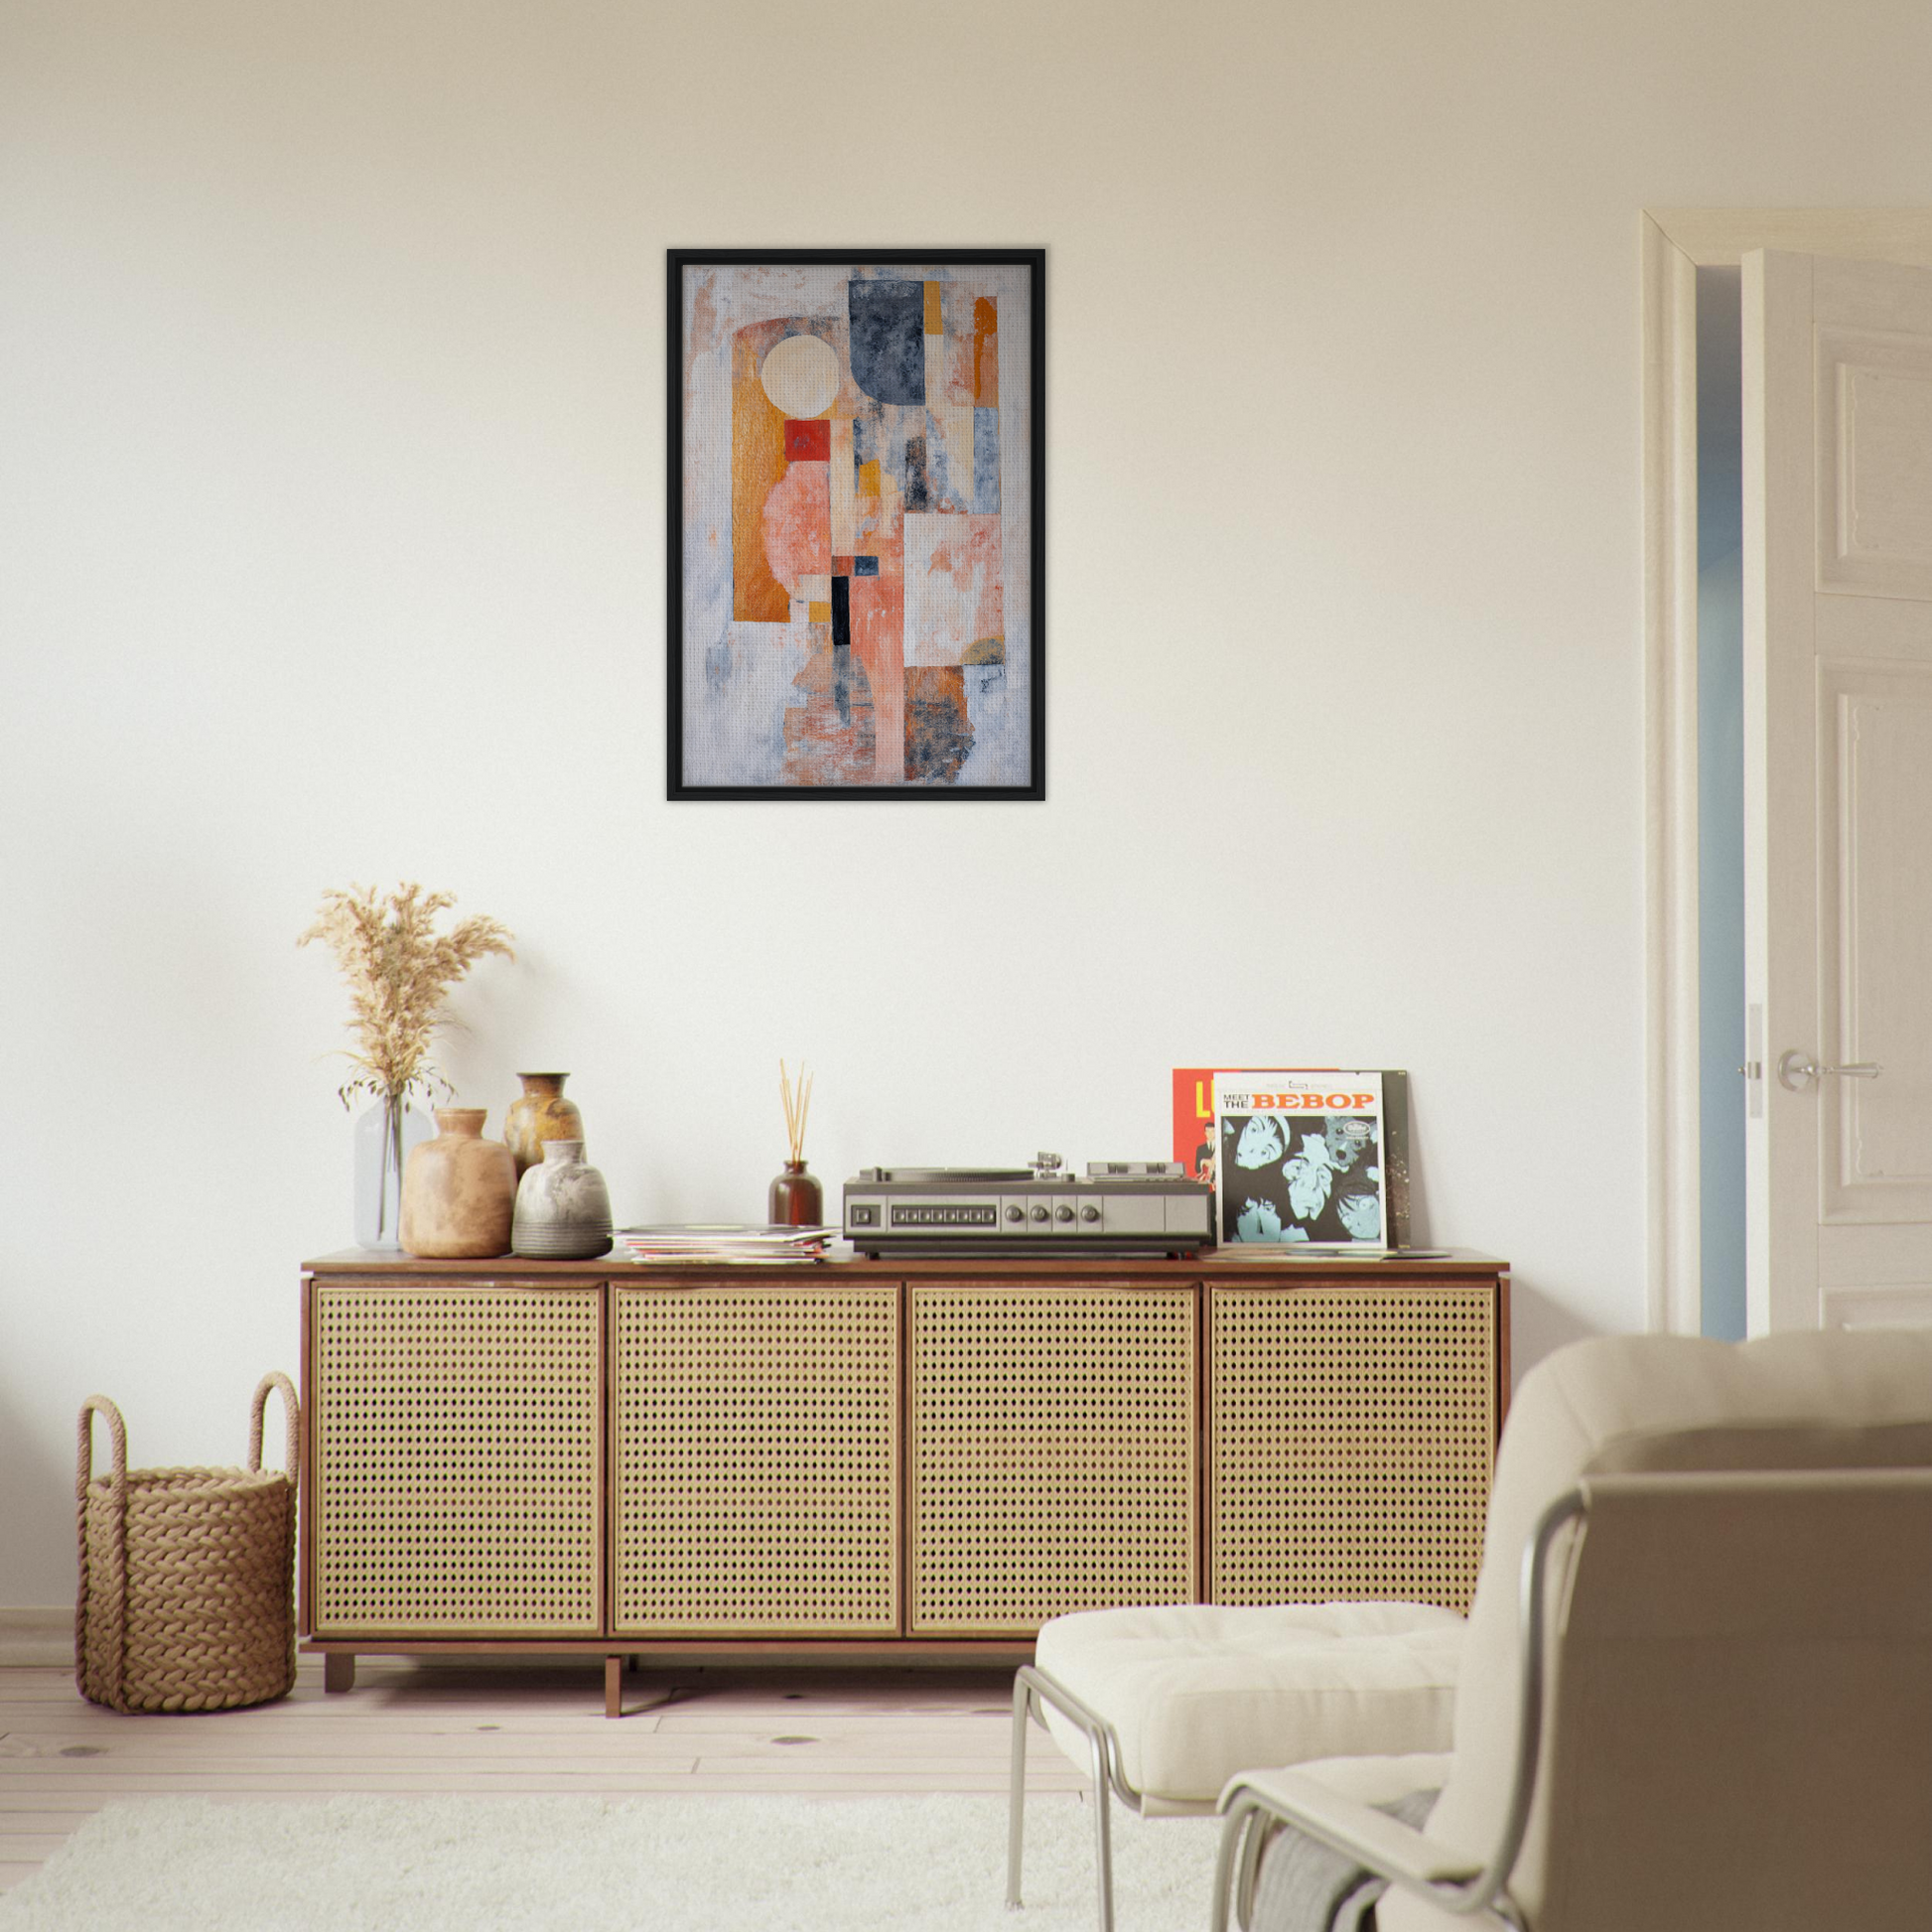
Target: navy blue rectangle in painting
column 842, row 647
column 986, row 462
column 918, row 499
column 889, row 338
column 864, row 566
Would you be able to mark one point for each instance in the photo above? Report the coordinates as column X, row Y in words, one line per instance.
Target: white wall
column 331, row 417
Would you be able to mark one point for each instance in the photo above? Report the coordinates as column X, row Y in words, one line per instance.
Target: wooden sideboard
column 880, row 1460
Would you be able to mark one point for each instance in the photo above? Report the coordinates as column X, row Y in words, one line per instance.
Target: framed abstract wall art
column 856, row 522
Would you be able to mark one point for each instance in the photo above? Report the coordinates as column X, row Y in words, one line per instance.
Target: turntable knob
column 1039, row 1214
column 1015, row 1212
column 1089, row 1213
column 1064, row 1213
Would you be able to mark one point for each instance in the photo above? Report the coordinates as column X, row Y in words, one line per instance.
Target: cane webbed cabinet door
column 756, row 1454
column 1052, row 1440
column 457, row 1458
column 1351, row 1436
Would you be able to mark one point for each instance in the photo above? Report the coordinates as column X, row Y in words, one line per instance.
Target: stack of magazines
column 699, row 1241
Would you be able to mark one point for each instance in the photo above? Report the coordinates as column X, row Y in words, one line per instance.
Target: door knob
column 1797, row 1070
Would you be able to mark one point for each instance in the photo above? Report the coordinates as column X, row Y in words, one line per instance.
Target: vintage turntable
column 1133, row 1207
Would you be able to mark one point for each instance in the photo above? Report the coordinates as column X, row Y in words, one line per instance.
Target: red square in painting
column 808, row 442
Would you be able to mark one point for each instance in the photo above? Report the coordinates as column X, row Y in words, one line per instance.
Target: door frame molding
column 1675, row 243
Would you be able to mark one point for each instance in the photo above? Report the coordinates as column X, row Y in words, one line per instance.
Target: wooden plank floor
column 509, row 1727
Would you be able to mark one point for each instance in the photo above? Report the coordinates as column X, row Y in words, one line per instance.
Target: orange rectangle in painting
column 986, row 352
column 933, row 326
column 938, row 729
column 879, row 643
column 758, row 462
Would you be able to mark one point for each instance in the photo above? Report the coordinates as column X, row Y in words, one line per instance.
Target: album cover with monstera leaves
column 1300, row 1155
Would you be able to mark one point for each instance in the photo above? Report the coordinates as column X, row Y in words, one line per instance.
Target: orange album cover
column 1194, row 1112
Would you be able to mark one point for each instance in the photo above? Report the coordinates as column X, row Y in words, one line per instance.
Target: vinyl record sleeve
column 1196, row 1147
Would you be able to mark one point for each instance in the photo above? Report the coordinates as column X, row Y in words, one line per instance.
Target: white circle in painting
column 801, row 375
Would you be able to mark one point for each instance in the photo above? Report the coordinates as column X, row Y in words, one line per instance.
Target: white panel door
column 1838, row 776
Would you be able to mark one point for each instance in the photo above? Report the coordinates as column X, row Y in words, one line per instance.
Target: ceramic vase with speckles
column 540, row 1113
column 459, row 1190
column 563, row 1209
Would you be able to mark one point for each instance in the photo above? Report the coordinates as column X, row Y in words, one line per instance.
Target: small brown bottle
column 796, row 1200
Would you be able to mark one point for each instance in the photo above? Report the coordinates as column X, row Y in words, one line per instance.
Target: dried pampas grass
column 398, row 969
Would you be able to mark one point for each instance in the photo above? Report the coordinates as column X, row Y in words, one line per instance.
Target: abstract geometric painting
column 856, row 524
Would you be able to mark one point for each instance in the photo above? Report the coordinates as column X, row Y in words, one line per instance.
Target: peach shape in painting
column 798, row 529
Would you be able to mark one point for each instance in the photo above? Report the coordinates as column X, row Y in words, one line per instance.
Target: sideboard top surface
column 1214, row 1264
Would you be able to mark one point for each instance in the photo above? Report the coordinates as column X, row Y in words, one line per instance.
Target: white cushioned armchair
column 1728, row 1726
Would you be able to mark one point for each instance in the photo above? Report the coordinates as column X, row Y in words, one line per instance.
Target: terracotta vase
column 563, row 1209
column 541, row 1114
column 795, row 1199
column 459, row 1190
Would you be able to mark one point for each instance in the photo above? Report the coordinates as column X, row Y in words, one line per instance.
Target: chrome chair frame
column 1031, row 1689
column 1253, row 1816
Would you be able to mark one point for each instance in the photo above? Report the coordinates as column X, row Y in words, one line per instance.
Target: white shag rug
column 758, row 1864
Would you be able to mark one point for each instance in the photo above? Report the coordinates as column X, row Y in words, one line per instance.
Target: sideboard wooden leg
column 613, row 1686
column 338, row 1670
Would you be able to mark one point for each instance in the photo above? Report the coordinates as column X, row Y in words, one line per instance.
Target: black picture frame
column 678, row 260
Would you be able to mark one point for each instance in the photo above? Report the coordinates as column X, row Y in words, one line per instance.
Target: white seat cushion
column 1197, row 1691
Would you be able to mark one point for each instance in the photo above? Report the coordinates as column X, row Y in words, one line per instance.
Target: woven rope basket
column 186, row 1576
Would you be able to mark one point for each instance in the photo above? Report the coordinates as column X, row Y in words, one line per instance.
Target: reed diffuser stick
column 797, row 1105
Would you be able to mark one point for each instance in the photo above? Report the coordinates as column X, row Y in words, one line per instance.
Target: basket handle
column 118, row 1432
column 112, row 1639
column 291, row 1408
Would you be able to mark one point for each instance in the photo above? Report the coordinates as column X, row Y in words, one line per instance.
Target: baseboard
column 43, row 1635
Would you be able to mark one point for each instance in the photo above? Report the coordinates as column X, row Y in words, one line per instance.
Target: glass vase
column 384, row 1135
